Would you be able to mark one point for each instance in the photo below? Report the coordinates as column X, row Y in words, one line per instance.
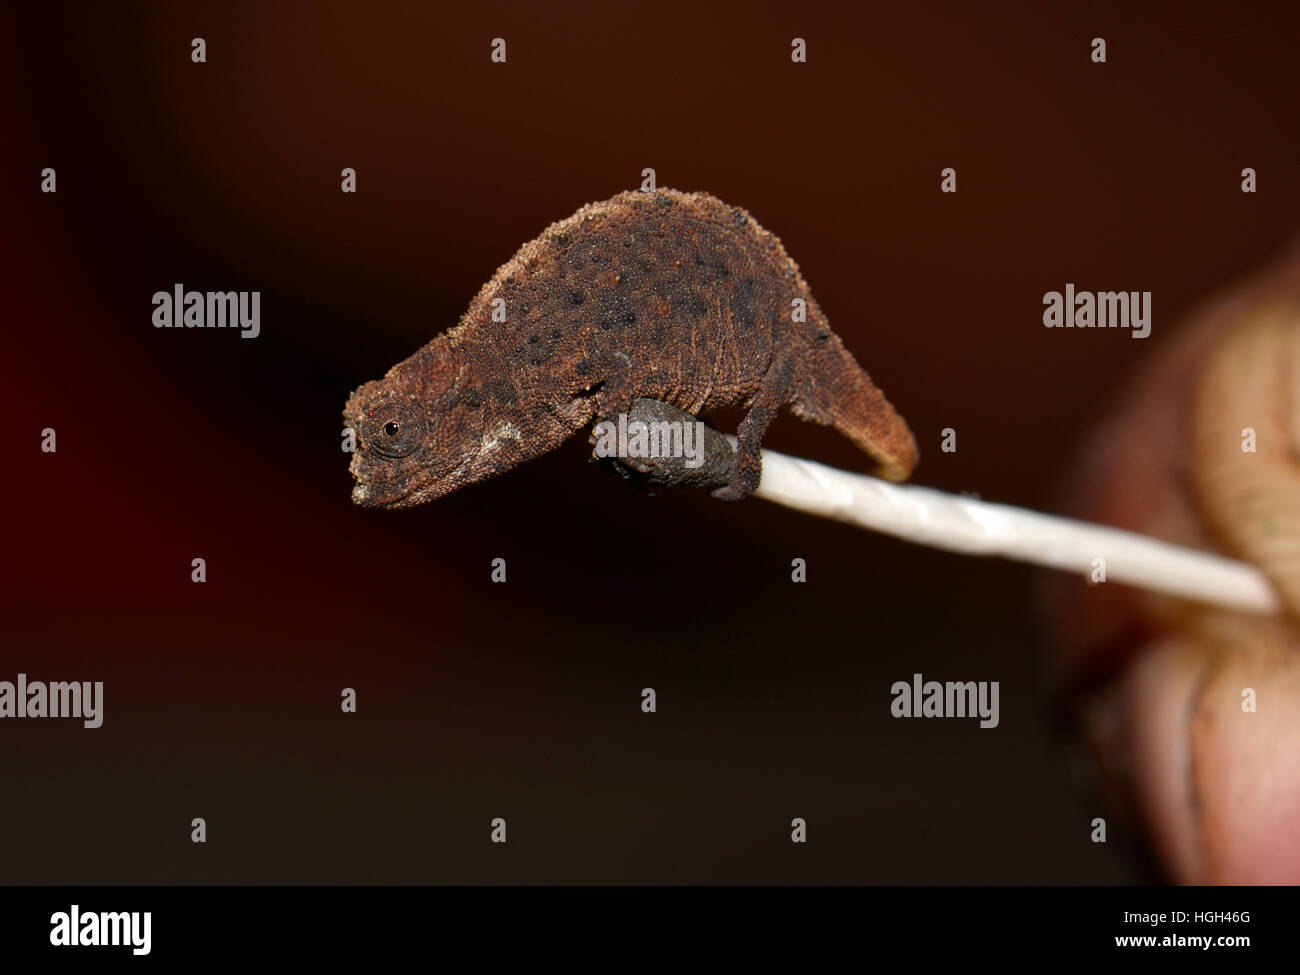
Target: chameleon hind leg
column 767, row 402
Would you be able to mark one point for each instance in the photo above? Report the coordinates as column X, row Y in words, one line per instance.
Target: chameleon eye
column 394, row 431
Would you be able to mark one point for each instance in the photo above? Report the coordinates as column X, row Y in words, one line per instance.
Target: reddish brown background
column 521, row 700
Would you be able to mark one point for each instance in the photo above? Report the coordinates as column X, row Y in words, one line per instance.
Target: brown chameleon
column 672, row 296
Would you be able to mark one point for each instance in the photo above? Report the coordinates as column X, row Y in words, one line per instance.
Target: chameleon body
column 671, row 296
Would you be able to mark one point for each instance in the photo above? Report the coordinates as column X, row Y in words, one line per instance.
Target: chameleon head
column 414, row 436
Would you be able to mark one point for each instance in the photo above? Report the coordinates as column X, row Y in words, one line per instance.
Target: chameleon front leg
column 616, row 388
column 614, row 399
column 767, row 402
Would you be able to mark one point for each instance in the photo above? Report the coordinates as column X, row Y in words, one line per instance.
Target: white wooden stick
column 959, row 524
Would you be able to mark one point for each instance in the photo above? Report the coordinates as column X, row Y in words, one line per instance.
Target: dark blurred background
column 522, row 700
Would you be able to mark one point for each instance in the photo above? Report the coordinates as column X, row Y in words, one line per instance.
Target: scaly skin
column 671, row 296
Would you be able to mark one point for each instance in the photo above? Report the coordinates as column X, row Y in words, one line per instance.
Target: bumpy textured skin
column 672, row 296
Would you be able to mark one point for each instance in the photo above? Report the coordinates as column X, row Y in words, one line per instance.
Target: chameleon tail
column 830, row 388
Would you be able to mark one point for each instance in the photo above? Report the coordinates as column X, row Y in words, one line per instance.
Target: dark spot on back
column 742, row 303
column 575, row 298
column 690, row 304
column 616, row 309
column 715, row 268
